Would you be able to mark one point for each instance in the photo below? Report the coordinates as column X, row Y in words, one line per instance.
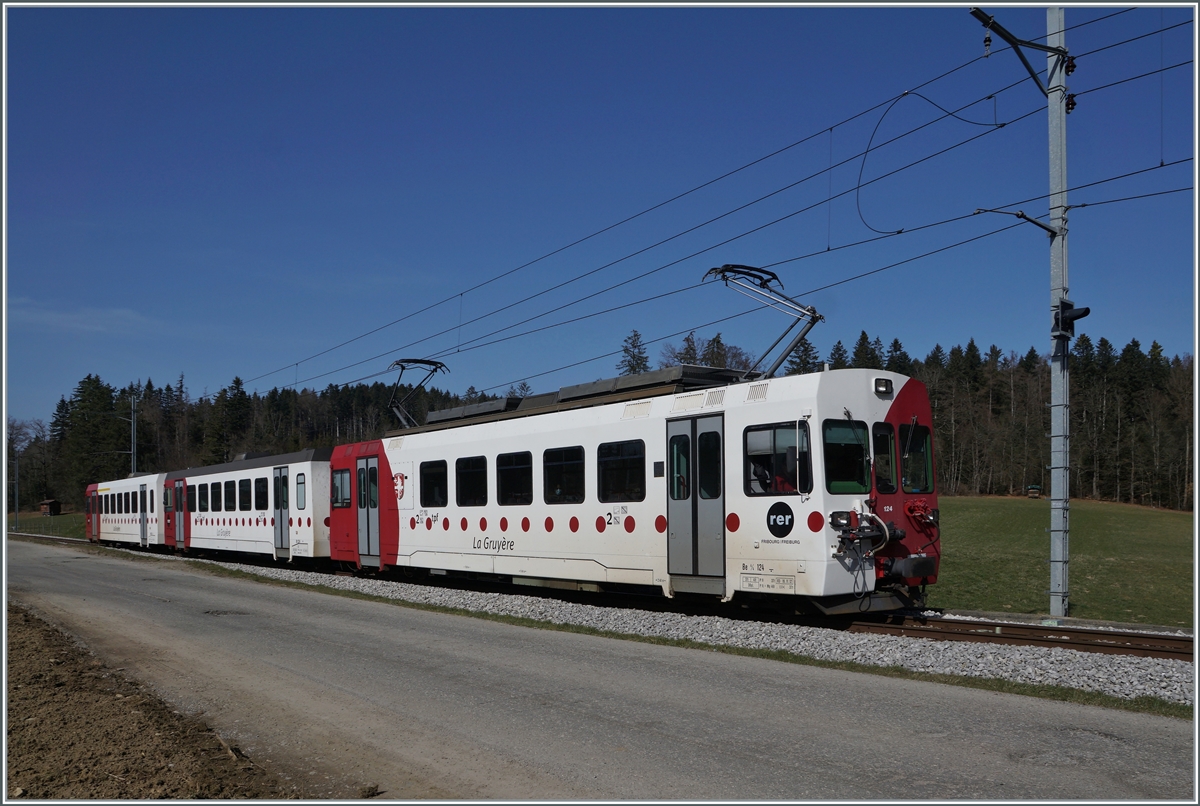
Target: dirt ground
column 77, row 729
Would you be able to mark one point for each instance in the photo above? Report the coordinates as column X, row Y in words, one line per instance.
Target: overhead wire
column 623, row 221
column 671, row 263
column 297, row 382
column 943, row 222
column 823, row 287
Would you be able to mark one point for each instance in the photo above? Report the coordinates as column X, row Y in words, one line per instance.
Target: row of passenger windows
column 620, row 472
column 122, row 503
column 777, row 461
column 236, row 496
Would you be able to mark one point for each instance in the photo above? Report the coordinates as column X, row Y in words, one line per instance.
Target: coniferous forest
column 1131, row 419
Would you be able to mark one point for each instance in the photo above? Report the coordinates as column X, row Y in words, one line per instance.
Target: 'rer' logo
column 780, row 519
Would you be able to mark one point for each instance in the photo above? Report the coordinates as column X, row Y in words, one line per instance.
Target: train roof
column 669, row 381
column 253, row 460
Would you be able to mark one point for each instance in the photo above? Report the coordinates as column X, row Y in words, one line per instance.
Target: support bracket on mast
column 431, row 367
column 757, row 284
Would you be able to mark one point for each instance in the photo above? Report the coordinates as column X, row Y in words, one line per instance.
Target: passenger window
column 708, row 460
column 562, row 476
column 847, row 461
column 142, row 500
column 916, row 457
column 679, row 453
column 203, row 498
column 104, row 505
column 621, row 469
column 191, row 498
column 301, row 495
column 230, row 496
column 167, row 507
column 150, row 495
column 216, row 496
column 244, row 495
column 514, row 478
column 470, row 481
column 885, row 458
column 434, row 484
column 133, row 502
column 262, row 501
column 341, row 489
column 778, row 459
column 124, row 503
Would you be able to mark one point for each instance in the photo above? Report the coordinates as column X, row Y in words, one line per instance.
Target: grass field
column 1128, row 563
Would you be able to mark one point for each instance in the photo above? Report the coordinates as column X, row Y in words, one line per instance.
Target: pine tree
column 804, row 359
column 634, row 359
column 936, row 357
column 865, row 356
column 897, row 359
column 714, row 353
column 838, row 357
column 688, row 353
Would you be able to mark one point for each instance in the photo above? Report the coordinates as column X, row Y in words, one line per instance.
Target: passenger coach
column 688, row 480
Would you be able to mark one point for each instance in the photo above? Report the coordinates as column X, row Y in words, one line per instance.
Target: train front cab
column 364, row 525
column 881, row 506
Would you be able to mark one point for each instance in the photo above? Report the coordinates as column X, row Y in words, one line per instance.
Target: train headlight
column 883, row 386
column 839, row 520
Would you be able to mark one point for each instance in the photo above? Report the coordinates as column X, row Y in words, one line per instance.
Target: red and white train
column 686, row 480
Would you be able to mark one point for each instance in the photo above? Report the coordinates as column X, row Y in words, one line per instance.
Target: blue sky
column 231, row 191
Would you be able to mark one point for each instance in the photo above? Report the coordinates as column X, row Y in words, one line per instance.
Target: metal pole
column 17, row 494
column 1060, row 410
column 133, row 437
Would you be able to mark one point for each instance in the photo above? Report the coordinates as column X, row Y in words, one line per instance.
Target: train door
column 94, row 520
column 142, row 514
column 179, row 499
column 696, row 503
column 367, row 489
column 282, row 511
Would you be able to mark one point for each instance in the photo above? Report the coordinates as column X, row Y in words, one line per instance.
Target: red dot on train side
column 660, row 523
column 524, row 524
column 574, row 524
column 412, row 523
column 464, row 524
column 483, row 524
column 732, row 522
column 428, row 524
column 549, row 524
column 600, row 524
column 816, row 521
column 445, row 524
column 309, row 521
column 272, row 521
column 327, row 521
column 629, row 525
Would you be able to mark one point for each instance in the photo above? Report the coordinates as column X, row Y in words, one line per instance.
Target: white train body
column 687, row 480
column 669, row 491
column 126, row 511
column 267, row 505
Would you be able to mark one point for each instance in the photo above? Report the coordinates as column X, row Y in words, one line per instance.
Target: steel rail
column 1110, row 642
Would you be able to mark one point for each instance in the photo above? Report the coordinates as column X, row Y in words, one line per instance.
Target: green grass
column 1127, row 563
column 70, row 524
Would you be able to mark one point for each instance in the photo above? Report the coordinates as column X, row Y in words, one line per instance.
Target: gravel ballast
column 1123, row 676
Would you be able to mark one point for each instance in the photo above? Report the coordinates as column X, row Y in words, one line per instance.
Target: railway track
column 1113, row 642
column 1110, row 642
